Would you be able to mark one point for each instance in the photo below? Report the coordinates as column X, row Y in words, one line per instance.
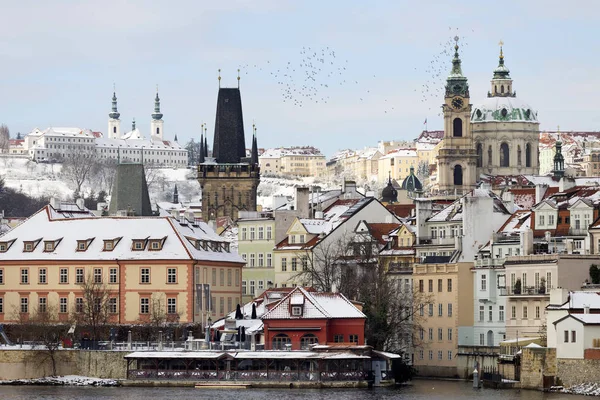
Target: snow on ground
column 586, row 389
column 67, row 380
column 39, row 179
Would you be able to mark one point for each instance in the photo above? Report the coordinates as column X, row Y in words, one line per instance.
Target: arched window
column 114, row 129
column 490, row 155
column 457, row 127
column 157, row 131
column 307, row 340
column 501, row 88
column 504, row 155
column 495, row 89
column 490, row 338
column 479, row 155
column 528, row 155
column 280, row 341
column 518, row 155
column 458, row 175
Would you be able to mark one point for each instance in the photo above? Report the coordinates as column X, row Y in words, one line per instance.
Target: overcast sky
column 59, row 60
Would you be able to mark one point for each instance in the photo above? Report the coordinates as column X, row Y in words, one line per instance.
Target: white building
column 57, row 144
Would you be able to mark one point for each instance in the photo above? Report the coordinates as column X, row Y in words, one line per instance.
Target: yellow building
column 148, row 265
column 397, row 164
column 295, row 161
column 447, row 292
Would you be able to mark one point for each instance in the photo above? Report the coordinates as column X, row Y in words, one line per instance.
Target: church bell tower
column 457, row 157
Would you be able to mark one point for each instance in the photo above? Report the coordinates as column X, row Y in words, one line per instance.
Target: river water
column 419, row 389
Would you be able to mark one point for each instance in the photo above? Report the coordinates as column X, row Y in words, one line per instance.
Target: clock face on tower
column 457, row 103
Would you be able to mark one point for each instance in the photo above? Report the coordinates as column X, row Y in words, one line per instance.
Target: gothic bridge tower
column 229, row 179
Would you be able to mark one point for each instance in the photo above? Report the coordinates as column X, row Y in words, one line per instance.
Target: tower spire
column 201, row 159
column 238, row 78
column 559, row 160
column 501, row 82
column 456, row 84
column 156, row 115
column 133, row 124
column 114, row 114
column 254, row 154
column 219, row 78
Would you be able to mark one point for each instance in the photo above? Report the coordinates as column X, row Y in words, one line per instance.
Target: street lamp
column 208, row 324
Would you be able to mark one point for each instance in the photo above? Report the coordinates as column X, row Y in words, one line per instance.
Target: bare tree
column 160, row 317
column 43, row 327
column 93, row 309
column 4, row 138
column 154, row 176
column 78, row 167
column 351, row 265
column 103, row 173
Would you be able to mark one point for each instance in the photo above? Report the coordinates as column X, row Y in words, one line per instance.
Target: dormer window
column 82, row 245
column 30, row 245
column 296, row 311
column 139, row 244
column 156, row 244
column 4, row 246
column 48, row 246
column 110, row 244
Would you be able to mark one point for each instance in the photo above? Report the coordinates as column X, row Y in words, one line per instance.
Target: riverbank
column 68, row 380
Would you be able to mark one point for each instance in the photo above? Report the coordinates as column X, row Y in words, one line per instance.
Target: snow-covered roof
column 453, row 212
column 138, row 143
column 401, row 153
column 503, row 109
column 317, row 305
column 592, row 319
column 178, row 240
column 291, row 151
column 582, row 299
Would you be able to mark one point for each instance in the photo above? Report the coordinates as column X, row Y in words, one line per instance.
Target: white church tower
column 156, row 126
column 114, row 123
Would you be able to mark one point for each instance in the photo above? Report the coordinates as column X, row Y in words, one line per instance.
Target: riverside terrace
column 357, row 364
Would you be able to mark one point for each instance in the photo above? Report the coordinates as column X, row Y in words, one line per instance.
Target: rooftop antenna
column 219, row 78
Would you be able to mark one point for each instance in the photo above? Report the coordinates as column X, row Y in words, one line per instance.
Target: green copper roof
column 456, row 84
column 157, row 114
column 114, row 114
column 502, row 71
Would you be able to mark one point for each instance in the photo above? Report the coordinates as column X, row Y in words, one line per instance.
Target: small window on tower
column 114, row 129
column 157, row 131
column 504, row 112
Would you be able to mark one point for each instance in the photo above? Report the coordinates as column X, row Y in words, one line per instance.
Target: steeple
column 114, row 114
column 156, row 125
column 133, row 125
column 559, row 160
column 254, row 154
column 175, row 195
column 201, row 159
column 501, row 82
column 175, row 139
column 456, row 83
column 229, row 145
column 156, row 115
column 114, row 124
column 205, row 143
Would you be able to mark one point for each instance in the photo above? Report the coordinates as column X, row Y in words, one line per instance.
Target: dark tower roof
column 130, row 191
column 201, row 158
column 114, row 114
column 254, row 154
column 389, row 194
column 229, row 146
column 411, row 182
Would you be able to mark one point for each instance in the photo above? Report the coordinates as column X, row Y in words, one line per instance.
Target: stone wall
column 537, row 365
column 572, row 371
column 25, row 364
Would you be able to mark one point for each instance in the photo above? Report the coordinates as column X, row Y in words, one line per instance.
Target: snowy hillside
column 46, row 180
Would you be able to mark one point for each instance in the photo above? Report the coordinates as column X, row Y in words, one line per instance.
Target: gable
column 296, row 228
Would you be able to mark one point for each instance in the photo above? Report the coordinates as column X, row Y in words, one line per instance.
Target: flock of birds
column 433, row 89
column 315, row 75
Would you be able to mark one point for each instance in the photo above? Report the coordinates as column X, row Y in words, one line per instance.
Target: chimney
column 540, row 191
column 301, row 202
column 586, row 309
column 80, row 203
column 566, row 183
column 55, row 203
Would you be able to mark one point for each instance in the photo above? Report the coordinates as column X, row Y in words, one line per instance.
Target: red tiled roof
column 380, row 229
column 401, row 210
